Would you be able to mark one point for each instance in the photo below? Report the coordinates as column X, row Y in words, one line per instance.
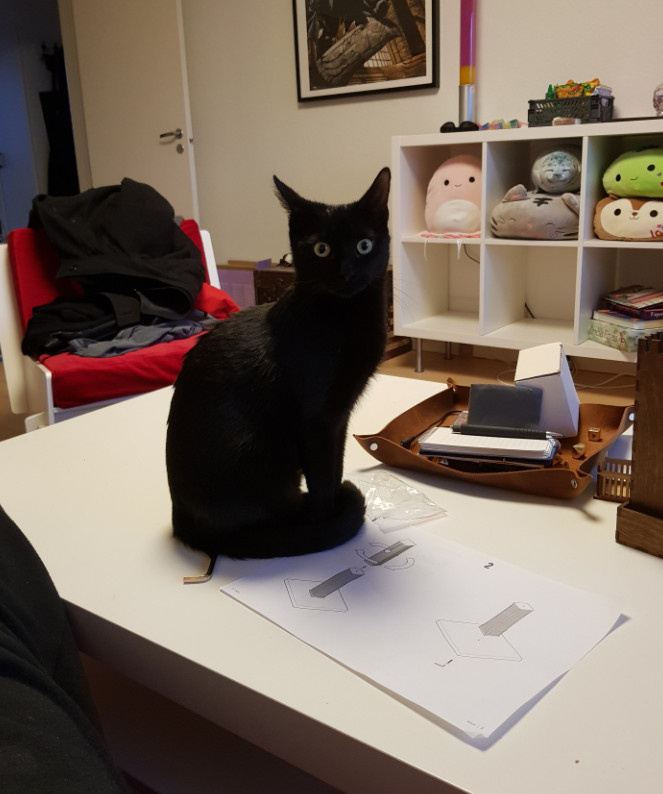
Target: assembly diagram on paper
column 464, row 636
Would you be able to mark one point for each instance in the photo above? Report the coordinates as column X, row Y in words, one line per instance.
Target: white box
column 546, row 366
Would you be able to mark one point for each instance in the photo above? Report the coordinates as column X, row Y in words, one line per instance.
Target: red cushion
column 191, row 228
column 78, row 380
column 215, row 301
column 34, row 264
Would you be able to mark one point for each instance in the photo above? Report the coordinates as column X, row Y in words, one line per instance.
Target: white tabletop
column 91, row 495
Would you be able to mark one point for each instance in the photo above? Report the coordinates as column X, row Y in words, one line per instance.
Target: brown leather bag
column 567, row 477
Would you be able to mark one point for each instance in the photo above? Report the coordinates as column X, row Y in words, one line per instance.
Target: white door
column 126, row 63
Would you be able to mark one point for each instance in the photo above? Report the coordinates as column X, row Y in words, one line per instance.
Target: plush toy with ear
column 453, row 199
column 623, row 218
column 637, row 173
column 529, row 215
column 550, row 211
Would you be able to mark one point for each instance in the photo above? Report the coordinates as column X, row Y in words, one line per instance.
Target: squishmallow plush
column 550, row 211
column 558, row 170
column 624, row 218
column 531, row 215
column 637, row 173
column 453, row 199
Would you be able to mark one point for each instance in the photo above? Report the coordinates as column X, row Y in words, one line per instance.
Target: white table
column 91, row 495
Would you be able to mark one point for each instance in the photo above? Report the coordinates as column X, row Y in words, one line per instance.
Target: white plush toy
column 557, row 170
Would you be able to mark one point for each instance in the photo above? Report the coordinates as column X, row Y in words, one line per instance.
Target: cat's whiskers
column 402, row 299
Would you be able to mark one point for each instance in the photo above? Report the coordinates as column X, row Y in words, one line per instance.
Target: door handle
column 173, row 134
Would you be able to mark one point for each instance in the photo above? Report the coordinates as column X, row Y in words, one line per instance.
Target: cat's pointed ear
column 286, row 195
column 377, row 195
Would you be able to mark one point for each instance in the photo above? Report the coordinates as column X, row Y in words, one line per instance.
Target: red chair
column 56, row 387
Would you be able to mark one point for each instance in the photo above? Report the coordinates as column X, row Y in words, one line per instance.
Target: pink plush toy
column 453, row 200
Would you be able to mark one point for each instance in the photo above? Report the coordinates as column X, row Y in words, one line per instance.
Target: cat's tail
column 300, row 533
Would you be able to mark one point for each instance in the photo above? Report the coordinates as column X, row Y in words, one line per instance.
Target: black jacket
column 135, row 264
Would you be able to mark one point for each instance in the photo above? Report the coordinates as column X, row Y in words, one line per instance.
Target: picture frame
column 355, row 47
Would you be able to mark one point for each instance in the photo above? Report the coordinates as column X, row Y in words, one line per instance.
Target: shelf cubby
column 507, row 293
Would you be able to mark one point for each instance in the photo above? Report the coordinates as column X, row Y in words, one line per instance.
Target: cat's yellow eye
column 322, row 249
column 365, row 246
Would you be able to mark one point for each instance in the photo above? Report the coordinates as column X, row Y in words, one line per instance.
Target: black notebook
column 503, row 411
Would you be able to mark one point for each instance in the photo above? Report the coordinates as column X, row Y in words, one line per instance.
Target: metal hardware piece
column 172, row 134
column 203, row 577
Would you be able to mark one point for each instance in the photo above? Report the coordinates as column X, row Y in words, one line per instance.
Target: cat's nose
column 346, row 272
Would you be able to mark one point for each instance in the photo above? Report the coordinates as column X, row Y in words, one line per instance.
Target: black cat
column 266, row 395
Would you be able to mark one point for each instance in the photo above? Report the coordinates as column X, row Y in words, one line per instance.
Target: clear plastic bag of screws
column 393, row 504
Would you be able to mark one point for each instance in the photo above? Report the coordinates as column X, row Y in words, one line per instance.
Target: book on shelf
column 618, row 336
column 645, row 303
column 626, row 320
column 654, row 313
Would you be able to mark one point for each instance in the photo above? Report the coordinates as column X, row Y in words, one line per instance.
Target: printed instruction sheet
column 468, row 638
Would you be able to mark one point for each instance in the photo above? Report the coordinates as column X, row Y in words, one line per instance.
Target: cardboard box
column 546, row 366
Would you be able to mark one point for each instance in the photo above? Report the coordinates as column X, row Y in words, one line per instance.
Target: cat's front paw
column 346, row 498
column 350, row 498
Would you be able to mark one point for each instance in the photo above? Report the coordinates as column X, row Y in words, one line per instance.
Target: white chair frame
column 29, row 382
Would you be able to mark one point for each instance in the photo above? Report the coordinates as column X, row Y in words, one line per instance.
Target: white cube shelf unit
column 504, row 293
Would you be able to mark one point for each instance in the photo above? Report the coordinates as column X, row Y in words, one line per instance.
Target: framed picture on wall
column 347, row 47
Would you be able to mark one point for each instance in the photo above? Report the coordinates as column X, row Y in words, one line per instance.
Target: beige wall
column 248, row 124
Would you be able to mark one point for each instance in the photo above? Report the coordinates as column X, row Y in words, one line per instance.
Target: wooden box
column 640, row 520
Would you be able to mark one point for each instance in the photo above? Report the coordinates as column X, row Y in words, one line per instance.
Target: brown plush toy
column 536, row 216
column 635, row 219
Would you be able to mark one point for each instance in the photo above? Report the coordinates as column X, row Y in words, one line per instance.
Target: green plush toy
column 636, row 173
